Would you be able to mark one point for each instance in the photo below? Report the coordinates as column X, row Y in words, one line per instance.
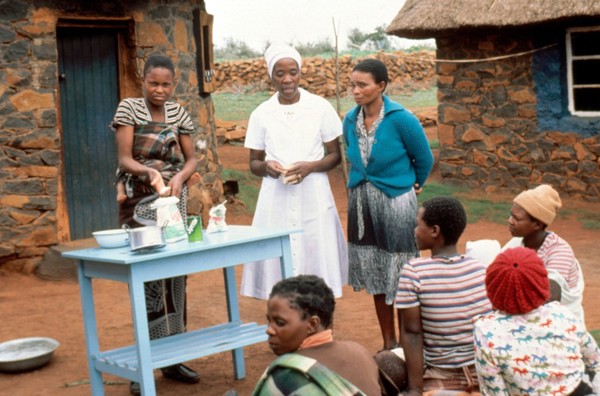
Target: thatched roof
column 433, row 18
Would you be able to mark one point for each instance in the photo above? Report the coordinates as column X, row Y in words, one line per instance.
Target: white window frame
column 570, row 59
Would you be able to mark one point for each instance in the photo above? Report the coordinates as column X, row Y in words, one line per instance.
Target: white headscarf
column 275, row 52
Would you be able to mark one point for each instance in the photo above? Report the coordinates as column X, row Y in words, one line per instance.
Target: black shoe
column 134, row 388
column 181, row 373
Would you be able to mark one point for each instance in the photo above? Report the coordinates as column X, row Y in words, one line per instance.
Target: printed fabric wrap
column 300, row 375
column 156, row 145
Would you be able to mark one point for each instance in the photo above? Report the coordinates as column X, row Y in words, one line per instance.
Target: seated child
column 528, row 345
column 300, row 318
column 438, row 298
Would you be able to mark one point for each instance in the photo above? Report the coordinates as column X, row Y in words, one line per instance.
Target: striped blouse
column 133, row 111
column 451, row 294
column 558, row 255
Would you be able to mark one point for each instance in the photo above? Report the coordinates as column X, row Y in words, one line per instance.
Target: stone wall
column 318, row 75
column 31, row 196
column 488, row 123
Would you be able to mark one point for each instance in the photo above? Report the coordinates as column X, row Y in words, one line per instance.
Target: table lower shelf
column 179, row 348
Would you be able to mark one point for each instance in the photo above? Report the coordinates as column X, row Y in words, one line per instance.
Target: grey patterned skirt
column 380, row 238
column 165, row 298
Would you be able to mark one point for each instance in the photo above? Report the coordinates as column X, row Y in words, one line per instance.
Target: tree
column 357, row 38
column 379, row 38
column 235, row 49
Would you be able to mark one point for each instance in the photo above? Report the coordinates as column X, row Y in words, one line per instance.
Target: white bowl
column 25, row 354
column 112, row 238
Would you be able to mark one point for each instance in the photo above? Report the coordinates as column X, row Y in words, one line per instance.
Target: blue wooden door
column 88, row 82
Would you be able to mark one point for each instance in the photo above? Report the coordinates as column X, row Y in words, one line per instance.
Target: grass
column 238, row 106
column 414, row 101
column 590, row 220
column 596, row 335
column 248, row 184
column 476, row 209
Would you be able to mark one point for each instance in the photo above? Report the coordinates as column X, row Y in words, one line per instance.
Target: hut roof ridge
column 433, row 18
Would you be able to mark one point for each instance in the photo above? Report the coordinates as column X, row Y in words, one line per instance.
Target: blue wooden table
column 224, row 250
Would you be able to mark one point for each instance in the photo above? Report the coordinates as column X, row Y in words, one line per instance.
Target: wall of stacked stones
column 30, row 141
column 487, row 124
column 319, row 74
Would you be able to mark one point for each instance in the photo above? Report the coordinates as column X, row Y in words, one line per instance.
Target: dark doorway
column 89, row 95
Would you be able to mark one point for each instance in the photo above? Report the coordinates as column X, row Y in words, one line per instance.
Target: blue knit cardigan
column 400, row 155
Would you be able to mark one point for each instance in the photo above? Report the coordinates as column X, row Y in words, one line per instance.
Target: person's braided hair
column 448, row 214
column 309, row 295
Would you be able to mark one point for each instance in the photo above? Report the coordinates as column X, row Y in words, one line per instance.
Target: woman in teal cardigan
column 390, row 159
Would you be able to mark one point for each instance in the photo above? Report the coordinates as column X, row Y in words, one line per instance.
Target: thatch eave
column 420, row 19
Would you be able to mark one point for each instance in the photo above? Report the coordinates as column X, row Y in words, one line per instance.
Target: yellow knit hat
column 541, row 203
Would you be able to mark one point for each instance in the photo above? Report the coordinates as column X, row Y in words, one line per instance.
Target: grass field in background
column 238, row 106
column 248, row 184
column 477, row 209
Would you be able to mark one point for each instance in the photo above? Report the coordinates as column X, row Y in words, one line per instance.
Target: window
column 583, row 71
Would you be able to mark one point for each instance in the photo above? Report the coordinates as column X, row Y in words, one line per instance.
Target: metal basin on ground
column 25, row 354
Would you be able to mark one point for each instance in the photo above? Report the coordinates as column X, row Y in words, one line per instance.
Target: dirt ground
column 30, row 306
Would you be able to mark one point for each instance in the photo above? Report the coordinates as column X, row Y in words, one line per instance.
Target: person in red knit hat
column 529, row 344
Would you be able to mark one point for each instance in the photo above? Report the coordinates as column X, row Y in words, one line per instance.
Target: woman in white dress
column 293, row 142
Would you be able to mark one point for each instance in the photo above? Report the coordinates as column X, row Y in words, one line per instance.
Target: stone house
column 518, row 90
column 64, row 66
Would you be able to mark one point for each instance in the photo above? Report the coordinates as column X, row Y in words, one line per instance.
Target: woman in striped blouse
column 156, row 155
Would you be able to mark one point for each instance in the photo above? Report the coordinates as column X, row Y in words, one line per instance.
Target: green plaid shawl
column 293, row 374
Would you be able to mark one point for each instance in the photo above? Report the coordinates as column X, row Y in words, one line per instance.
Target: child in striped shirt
column 438, row 298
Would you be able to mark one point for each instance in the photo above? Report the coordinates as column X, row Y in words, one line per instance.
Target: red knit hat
column 517, row 281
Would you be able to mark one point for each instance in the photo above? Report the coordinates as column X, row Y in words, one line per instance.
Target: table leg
column 233, row 313
column 287, row 270
column 142, row 335
column 91, row 329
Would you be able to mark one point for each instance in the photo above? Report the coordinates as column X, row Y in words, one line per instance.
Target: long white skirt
column 320, row 249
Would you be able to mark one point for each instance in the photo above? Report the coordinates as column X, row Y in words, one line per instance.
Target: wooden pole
column 338, row 105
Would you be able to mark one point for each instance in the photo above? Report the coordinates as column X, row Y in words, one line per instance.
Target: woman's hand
column 176, row 184
column 297, row 172
column 274, row 169
column 157, row 182
column 260, row 167
column 418, row 188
